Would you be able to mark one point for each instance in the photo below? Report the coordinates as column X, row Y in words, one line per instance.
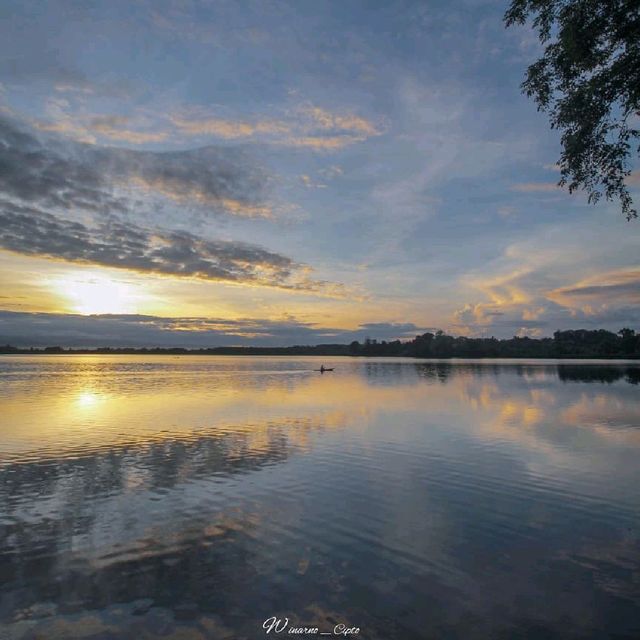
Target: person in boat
column 321, row 368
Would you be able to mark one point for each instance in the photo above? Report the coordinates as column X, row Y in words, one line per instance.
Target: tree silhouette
column 588, row 81
column 574, row 343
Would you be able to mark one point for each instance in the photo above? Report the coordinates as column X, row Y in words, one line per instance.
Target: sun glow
column 90, row 293
column 87, row 399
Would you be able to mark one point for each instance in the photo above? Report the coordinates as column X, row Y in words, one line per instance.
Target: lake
column 197, row 497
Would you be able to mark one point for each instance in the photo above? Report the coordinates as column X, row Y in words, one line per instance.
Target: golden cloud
column 621, row 285
column 324, row 119
column 308, row 126
column 182, row 193
column 322, row 143
column 110, row 127
column 228, row 129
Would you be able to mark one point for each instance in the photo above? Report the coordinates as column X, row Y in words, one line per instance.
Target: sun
column 89, row 294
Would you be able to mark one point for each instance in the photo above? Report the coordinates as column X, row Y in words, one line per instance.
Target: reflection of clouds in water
column 611, row 414
column 569, row 432
column 525, row 405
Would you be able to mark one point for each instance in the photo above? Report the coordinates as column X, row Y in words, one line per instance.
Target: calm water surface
column 195, row 497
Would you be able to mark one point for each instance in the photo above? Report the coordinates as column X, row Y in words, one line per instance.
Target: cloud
column 38, row 329
column 321, row 143
column 187, row 192
column 544, row 312
column 111, row 243
column 228, row 129
column 110, row 127
column 64, row 200
column 393, row 330
column 306, row 126
column 332, row 172
column 329, row 121
column 66, row 113
column 620, row 286
column 53, row 173
column 68, row 126
column 308, row 182
column 536, row 286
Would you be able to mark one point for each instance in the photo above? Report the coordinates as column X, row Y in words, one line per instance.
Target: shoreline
column 216, row 353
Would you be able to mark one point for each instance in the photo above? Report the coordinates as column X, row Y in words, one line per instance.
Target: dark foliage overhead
column 588, row 81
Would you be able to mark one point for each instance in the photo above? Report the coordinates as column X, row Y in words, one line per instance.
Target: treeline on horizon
column 579, row 343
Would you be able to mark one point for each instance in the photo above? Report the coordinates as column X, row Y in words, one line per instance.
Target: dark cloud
column 57, row 201
column 31, row 231
column 614, row 291
column 46, row 175
column 39, row 329
column 65, row 175
column 608, row 317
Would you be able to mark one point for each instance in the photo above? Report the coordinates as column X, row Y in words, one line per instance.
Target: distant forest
column 580, row 343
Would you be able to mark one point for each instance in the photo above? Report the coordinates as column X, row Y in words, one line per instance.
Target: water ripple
column 195, row 497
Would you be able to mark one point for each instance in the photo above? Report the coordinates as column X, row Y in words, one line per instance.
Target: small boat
column 322, row 369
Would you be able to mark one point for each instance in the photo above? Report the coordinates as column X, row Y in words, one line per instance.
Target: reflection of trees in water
column 602, row 374
column 393, row 373
column 390, row 373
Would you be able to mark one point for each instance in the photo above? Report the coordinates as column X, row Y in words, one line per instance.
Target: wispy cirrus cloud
column 332, row 121
column 305, row 126
column 110, row 127
column 226, row 128
column 321, row 143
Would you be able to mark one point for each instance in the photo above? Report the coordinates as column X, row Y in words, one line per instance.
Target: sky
column 194, row 173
